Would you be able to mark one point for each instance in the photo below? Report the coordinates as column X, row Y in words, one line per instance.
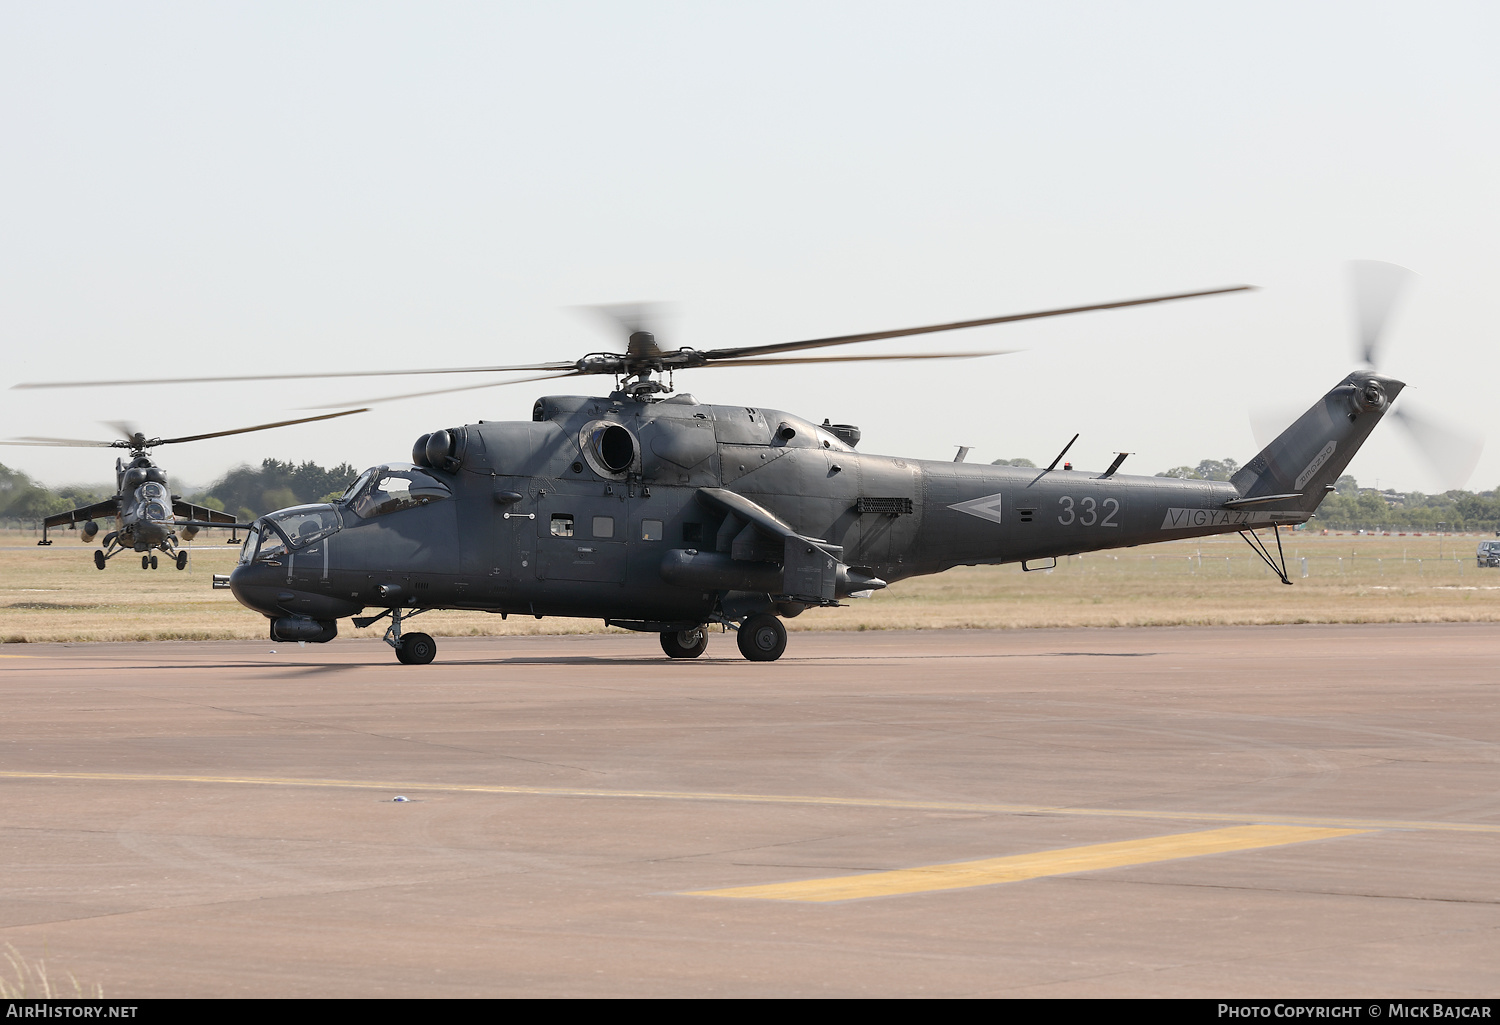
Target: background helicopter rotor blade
column 872, row 336
column 1377, row 288
column 1452, row 452
column 41, row 442
column 132, row 435
column 258, row 427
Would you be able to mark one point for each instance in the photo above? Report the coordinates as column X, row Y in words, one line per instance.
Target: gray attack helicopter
column 657, row 513
column 145, row 511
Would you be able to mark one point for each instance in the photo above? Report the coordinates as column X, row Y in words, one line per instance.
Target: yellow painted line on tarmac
column 1065, row 861
column 1178, row 815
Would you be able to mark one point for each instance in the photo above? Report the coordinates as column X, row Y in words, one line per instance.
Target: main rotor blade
column 1377, row 287
column 259, row 427
column 1452, row 452
column 853, row 359
column 36, row 442
column 296, row 377
column 468, row 387
column 816, row 343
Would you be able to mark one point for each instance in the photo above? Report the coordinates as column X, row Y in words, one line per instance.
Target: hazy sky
column 190, row 188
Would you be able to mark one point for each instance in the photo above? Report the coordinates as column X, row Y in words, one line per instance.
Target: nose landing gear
column 414, row 649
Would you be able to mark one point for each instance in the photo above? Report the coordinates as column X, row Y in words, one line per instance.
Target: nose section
column 257, row 587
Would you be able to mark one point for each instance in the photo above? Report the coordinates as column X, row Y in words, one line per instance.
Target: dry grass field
column 56, row 594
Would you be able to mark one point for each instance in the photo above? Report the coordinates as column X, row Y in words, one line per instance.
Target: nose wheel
column 762, row 638
column 412, row 649
column 685, row 643
column 416, row 650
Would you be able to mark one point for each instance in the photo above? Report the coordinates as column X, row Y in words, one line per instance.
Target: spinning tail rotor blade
column 1452, row 453
column 1377, row 288
column 125, row 428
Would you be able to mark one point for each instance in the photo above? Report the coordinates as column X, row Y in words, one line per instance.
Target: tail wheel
column 99, row 558
column 762, row 638
column 182, row 560
column 685, row 643
column 416, row 650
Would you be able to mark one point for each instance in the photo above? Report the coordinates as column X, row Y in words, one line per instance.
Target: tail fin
column 1294, row 471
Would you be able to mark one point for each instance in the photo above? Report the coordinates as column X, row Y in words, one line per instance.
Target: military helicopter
column 142, row 499
column 657, row 513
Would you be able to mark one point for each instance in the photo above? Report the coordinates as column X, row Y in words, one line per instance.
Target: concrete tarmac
column 1212, row 812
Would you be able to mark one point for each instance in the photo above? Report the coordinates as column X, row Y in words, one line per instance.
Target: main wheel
column 416, row 650
column 762, row 638
column 145, row 562
column 685, row 643
column 99, row 558
column 153, row 562
column 182, row 560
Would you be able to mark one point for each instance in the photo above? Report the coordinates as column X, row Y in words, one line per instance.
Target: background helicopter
column 143, row 506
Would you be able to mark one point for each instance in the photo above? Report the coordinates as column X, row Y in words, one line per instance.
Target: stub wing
column 108, row 507
column 201, row 514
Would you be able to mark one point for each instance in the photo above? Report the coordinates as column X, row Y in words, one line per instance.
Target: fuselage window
column 562, row 524
column 604, row 526
column 651, row 530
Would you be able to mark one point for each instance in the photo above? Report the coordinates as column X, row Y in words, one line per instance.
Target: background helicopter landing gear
column 182, row 560
column 416, row 650
column 99, row 557
column 685, row 643
column 762, row 638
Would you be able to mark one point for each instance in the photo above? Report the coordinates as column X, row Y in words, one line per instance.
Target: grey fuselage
column 546, row 519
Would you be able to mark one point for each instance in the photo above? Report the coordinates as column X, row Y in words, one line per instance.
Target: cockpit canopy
column 295, row 528
column 391, row 488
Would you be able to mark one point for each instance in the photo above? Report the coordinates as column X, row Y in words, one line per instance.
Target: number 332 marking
column 1086, row 513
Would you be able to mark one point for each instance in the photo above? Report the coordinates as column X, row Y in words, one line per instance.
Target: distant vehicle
column 1489, row 555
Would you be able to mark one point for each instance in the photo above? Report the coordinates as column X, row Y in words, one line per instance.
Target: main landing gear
column 99, row 557
column 685, row 643
column 182, row 560
column 762, row 638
